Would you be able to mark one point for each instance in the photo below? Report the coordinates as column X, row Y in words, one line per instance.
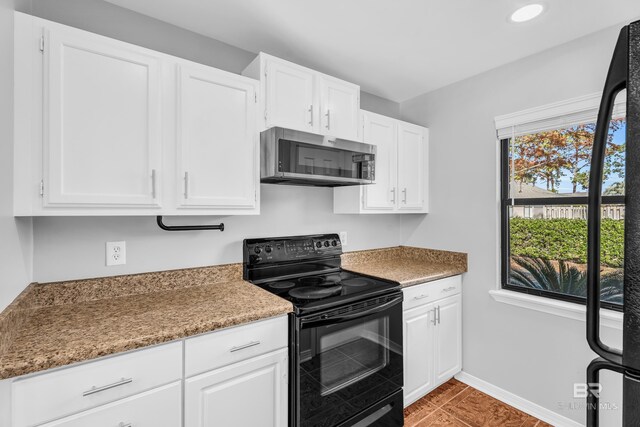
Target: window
column 544, row 188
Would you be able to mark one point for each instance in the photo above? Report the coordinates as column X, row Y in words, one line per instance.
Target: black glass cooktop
column 314, row 292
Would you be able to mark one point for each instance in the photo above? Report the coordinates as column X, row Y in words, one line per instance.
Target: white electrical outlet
column 116, row 253
column 343, row 238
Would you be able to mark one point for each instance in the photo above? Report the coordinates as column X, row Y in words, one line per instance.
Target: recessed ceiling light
column 527, row 13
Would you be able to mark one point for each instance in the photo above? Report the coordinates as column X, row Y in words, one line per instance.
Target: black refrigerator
column 624, row 73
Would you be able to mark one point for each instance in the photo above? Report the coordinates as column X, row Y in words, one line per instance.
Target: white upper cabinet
column 102, row 129
column 217, row 139
column 381, row 131
column 339, row 108
column 299, row 98
column 290, row 96
column 401, row 170
column 411, row 176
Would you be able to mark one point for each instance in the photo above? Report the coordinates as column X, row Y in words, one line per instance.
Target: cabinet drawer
column 68, row 391
column 221, row 348
column 425, row 293
column 160, row 407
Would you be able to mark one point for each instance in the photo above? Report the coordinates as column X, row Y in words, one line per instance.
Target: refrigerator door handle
column 593, row 377
column 616, row 81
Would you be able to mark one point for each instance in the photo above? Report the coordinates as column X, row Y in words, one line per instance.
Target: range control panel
column 282, row 249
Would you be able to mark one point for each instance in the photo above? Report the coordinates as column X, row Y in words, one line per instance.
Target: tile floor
column 456, row 404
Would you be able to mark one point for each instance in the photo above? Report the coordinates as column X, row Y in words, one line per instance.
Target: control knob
column 267, row 249
column 318, row 245
column 334, row 243
column 326, row 243
column 257, row 249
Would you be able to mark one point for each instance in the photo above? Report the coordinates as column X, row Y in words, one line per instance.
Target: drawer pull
column 94, row 389
column 423, row 296
column 125, row 425
column 243, row 346
column 449, row 289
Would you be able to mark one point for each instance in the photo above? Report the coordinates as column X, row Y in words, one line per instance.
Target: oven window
column 298, row 157
column 346, row 355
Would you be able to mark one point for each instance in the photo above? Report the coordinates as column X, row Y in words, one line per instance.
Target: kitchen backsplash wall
column 73, row 248
column 15, row 234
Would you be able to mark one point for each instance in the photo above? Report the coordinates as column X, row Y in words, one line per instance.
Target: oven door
column 348, row 362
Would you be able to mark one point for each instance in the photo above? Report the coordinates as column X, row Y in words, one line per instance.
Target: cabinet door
column 418, row 352
column 102, row 133
column 339, row 108
column 161, row 407
column 217, row 139
column 252, row 393
column 448, row 338
column 381, row 132
column 290, row 96
column 411, row 167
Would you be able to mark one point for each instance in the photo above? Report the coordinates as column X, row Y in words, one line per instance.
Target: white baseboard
column 517, row 402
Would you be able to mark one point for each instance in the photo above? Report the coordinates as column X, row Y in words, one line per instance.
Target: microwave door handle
column 350, row 316
column 616, row 81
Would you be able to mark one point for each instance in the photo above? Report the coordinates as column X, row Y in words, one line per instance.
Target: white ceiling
column 396, row 49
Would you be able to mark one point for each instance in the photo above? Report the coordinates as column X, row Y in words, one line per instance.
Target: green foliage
column 563, row 278
column 565, row 239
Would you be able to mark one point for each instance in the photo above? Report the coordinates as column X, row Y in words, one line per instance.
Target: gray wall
column 73, row 248
column 534, row 355
column 15, row 234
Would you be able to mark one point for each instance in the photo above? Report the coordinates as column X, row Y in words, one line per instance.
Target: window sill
column 608, row 318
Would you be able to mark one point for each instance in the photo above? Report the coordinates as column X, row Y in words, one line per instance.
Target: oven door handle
column 326, row 318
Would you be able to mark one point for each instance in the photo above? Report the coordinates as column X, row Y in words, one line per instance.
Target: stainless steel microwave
column 300, row 158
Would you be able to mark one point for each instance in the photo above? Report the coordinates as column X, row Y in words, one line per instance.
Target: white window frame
column 548, row 116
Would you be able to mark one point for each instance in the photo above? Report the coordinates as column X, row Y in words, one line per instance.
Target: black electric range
column 346, row 364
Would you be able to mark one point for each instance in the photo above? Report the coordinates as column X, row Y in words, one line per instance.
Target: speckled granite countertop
column 56, row 324
column 52, row 325
column 406, row 265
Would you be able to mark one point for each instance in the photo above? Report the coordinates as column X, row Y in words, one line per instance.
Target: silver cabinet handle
column 186, row 185
column 438, row 315
column 423, row 296
column 393, row 191
column 404, row 197
column 328, row 119
column 449, row 289
column 311, row 115
column 153, row 183
column 95, row 390
column 435, row 319
column 243, row 346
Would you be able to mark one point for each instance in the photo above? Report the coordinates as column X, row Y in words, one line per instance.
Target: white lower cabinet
column 251, row 393
column 161, row 407
column 418, row 352
column 60, row 393
column 236, row 376
column 432, row 320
